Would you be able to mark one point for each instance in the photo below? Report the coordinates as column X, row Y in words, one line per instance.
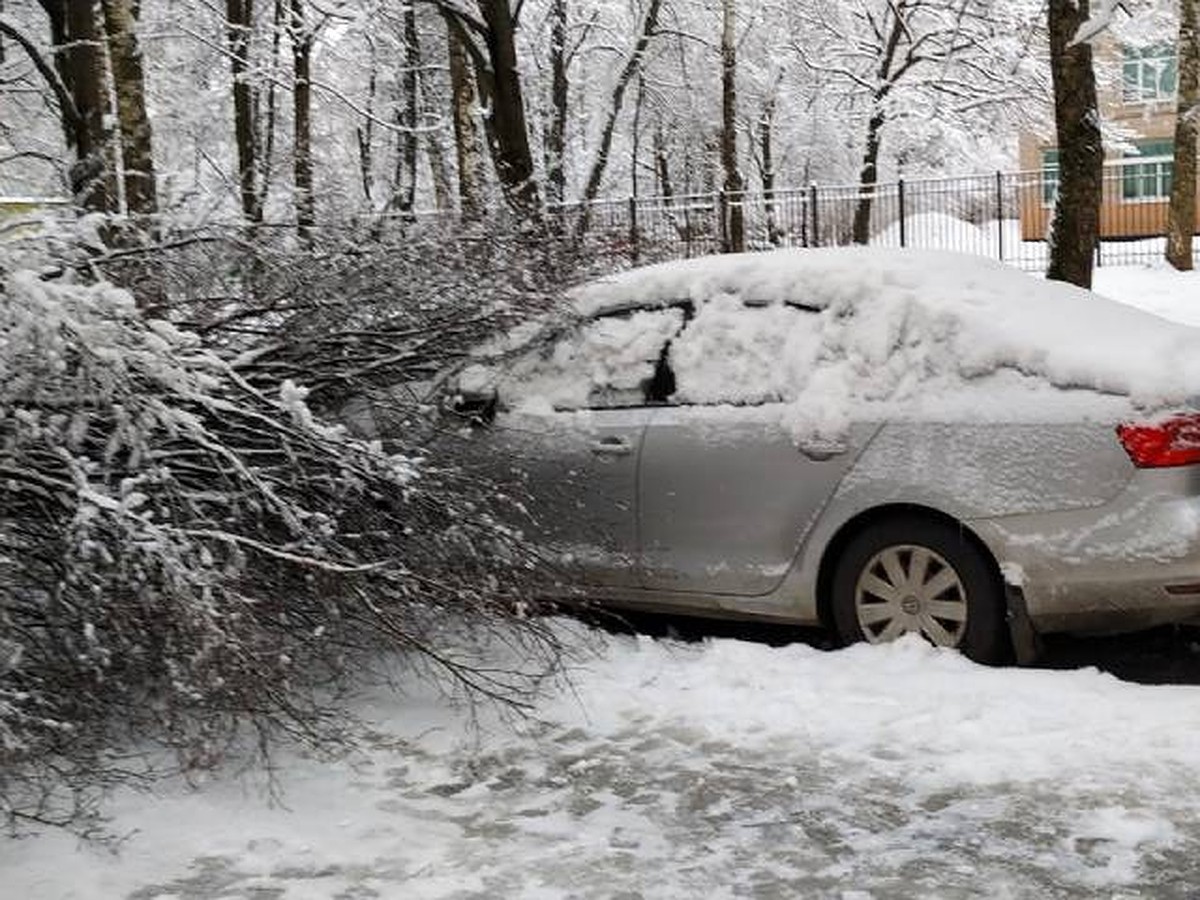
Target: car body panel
column 1107, row 568
column 726, row 496
column 580, row 470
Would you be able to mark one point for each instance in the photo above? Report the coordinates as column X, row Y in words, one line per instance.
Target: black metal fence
column 1004, row 215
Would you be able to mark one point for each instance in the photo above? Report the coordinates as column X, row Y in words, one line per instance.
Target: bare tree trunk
column 1076, row 225
column 766, row 125
column 264, row 141
column 1181, row 216
column 662, row 167
column 514, row 161
column 404, row 192
column 71, row 120
column 498, row 77
column 436, row 153
column 365, row 133
column 635, row 135
column 302, row 168
column 556, row 174
column 867, row 180
column 120, row 22
column 632, row 65
column 734, row 231
column 57, row 75
column 92, row 179
column 239, row 15
column 868, row 176
column 466, row 136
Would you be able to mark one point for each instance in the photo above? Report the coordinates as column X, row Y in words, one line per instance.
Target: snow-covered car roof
column 927, row 314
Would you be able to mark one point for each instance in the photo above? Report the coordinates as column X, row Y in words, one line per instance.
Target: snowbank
column 935, row 230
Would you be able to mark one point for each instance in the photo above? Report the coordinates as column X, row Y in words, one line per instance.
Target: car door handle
column 612, row 446
column 819, row 452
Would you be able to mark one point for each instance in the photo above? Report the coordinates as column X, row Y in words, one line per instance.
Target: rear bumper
column 1133, row 562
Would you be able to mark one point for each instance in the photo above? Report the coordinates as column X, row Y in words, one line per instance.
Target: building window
column 1146, row 175
column 1149, row 73
column 1049, row 176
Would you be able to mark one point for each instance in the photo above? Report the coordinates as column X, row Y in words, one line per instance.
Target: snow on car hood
column 924, row 328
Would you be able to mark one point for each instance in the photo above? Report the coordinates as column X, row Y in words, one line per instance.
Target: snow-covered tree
column 901, row 66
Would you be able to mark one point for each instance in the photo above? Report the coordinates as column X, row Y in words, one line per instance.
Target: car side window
column 734, row 352
column 609, row 362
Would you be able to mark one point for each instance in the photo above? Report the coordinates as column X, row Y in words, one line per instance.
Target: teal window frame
column 1149, row 73
column 1146, row 175
column 1049, row 176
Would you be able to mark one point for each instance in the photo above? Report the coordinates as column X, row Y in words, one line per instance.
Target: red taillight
column 1174, row 441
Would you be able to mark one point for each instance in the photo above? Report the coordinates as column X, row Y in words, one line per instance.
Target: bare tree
column 888, row 58
column 364, row 133
column 79, row 81
column 1075, row 228
column 302, row 40
column 56, row 75
column 404, row 189
column 239, row 17
column 490, row 41
column 1181, row 216
column 734, row 230
column 766, row 163
column 556, row 131
column 632, row 63
column 264, row 133
column 129, row 87
column 466, row 136
column 435, row 152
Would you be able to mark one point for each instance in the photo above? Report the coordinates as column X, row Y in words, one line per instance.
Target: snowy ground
column 714, row 769
column 720, row 769
column 1158, row 289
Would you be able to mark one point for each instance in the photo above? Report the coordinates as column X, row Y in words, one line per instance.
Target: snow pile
column 858, row 332
column 933, row 231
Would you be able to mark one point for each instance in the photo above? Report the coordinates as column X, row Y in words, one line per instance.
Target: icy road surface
column 720, row 769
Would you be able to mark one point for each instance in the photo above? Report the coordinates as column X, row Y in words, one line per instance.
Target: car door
column 567, row 438
column 729, row 485
column 572, row 477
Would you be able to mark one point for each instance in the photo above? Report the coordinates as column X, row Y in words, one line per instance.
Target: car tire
column 906, row 575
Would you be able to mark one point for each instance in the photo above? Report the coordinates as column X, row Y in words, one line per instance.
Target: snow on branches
column 183, row 550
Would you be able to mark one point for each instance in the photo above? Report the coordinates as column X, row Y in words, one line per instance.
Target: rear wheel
column 905, row 576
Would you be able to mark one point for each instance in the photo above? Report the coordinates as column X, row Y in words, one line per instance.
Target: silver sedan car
column 880, row 443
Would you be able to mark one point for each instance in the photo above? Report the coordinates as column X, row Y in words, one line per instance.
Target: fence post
column 721, row 210
column 633, row 231
column 903, row 216
column 816, row 221
column 687, row 228
column 1000, row 214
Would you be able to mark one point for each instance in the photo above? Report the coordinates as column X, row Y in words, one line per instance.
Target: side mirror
column 474, row 396
column 478, row 407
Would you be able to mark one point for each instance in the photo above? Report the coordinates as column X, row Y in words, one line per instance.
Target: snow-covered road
column 719, row 769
